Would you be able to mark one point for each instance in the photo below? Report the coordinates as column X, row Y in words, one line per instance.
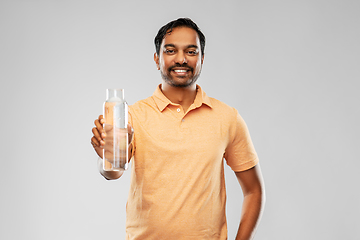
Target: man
column 181, row 137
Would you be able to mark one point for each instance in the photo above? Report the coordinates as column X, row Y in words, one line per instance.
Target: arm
column 98, row 143
column 252, row 185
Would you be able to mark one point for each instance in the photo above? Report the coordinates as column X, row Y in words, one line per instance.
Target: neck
column 183, row 96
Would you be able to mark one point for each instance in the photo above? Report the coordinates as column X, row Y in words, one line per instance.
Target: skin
column 180, row 50
column 98, row 144
column 252, row 185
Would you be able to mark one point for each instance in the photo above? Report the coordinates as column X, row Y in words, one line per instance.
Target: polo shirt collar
column 162, row 102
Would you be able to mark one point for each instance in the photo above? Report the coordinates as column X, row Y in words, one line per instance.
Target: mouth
column 180, row 71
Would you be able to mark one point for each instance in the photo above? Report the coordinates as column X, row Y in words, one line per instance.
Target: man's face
column 180, row 57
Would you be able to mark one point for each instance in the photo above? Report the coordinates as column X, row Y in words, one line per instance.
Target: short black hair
column 180, row 22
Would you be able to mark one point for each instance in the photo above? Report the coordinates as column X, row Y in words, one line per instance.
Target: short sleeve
column 240, row 153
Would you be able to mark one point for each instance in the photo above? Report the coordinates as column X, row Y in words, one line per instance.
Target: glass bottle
column 115, row 153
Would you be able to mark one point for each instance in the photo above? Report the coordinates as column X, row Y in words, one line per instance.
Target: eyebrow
column 172, row 45
column 192, row 46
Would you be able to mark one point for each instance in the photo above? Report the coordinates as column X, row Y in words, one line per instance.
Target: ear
column 202, row 59
column 156, row 59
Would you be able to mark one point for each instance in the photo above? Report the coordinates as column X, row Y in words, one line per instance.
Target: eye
column 169, row 51
column 192, row 52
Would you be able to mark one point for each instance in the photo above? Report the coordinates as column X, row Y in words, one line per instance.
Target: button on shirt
column 177, row 188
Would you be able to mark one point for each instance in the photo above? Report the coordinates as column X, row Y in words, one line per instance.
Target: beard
column 180, row 84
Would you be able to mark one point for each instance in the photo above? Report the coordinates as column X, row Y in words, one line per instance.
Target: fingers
column 130, row 132
column 101, row 117
column 95, row 142
column 97, row 139
column 98, row 147
column 130, row 129
column 96, row 136
column 98, row 130
column 103, row 132
column 99, row 124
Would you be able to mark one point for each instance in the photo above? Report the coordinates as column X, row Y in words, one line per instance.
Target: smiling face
column 180, row 57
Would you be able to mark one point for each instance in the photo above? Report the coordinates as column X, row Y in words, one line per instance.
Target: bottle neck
column 115, row 94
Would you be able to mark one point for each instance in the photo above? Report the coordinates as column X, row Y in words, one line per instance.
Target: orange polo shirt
column 177, row 177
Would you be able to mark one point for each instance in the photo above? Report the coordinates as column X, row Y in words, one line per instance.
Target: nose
column 180, row 58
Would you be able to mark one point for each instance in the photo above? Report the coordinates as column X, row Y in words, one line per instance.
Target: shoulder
column 229, row 116
column 142, row 105
column 223, row 108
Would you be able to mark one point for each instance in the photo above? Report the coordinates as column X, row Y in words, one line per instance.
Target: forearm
column 252, row 209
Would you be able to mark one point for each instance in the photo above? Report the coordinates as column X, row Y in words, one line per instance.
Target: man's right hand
column 98, row 139
column 98, row 142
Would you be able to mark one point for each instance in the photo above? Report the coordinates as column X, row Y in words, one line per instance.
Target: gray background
column 291, row 68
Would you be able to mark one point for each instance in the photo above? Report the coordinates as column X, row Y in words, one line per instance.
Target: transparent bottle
column 115, row 153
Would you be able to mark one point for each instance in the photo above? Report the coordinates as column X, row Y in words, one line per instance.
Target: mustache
column 180, row 65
